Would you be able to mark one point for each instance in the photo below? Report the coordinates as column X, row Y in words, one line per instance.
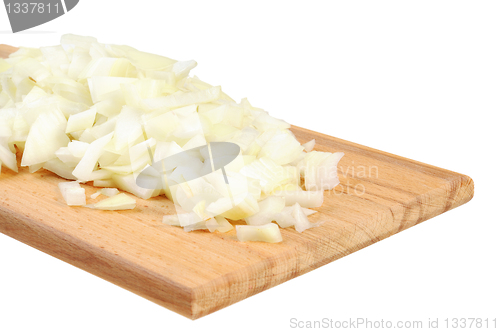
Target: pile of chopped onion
column 100, row 113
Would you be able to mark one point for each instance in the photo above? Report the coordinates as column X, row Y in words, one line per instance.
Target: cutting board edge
column 115, row 270
column 457, row 197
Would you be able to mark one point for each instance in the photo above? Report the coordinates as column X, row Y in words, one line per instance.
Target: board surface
column 197, row 273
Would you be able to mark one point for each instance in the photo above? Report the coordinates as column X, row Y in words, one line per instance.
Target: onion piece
column 201, row 225
column 129, row 184
column 301, row 221
column 265, row 122
column 320, row 170
column 265, row 233
column 4, row 65
column 269, row 174
column 118, row 202
column 225, row 208
column 109, row 192
column 101, row 86
column 65, row 155
column 284, row 218
column 73, row 193
column 295, row 216
column 268, row 208
column 8, row 158
column 306, row 211
column 78, row 148
column 282, row 148
column 81, row 121
column 171, row 220
column 89, row 160
column 184, row 99
column 224, row 225
column 104, row 183
column 106, row 192
column 143, row 60
column 309, row 146
column 46, row 136
column 58, row 167
column 212, row 225
column 308, row 199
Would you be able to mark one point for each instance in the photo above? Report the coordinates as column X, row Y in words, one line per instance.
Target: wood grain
column 5, row 50
column 197, row 273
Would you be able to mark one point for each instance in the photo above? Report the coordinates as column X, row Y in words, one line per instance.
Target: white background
column 418, row 79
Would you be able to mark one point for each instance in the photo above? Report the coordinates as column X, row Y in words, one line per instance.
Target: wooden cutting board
column 197, row 273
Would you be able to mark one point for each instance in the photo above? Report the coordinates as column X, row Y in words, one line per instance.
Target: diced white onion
column 309, row 199
column 106, row 192
column 135, row 121
column 265, row 233
column 268, row 208
column 309, row 146
column 171, row 220
column 118, row 202
column 301, row 221
column 73, row 193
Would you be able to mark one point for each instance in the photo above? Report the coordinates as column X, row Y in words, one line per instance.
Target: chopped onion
column 135, row 121
column 8, row 158
column 224, row 225
column 87, row 164
column 301, row 221
column 196, row 226
column 295, row 216
column 265, row 233
column 320, row 170
column 285, row 218
column 81, row 121
column 46, row 136
column 268, row 208
column 73, row 193
column 106, row 192
column 109, row 192
column 118, row 202
column 306, row 211
column 309, row 146
column 304, row 198
column 171, row 220
column 269, row 174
